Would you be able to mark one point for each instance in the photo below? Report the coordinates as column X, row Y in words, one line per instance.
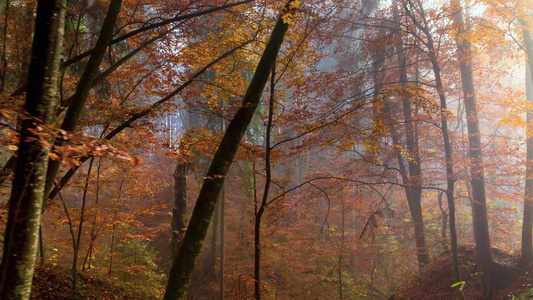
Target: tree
column 25, row 204
column 484, row 259
column 183, row 264
column 261, row 206
column 479, row 207
column 76, row 103
column 409, row 168
column 412, row 180
column 179, row 209
column 527, row 227
column 432, row 54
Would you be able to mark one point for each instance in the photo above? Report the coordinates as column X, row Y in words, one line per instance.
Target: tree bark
column 483, row 253
column 184, row 262
column 24, row 216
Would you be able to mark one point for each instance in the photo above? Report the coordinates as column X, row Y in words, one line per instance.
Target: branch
column 135, row 117
column 153, row 26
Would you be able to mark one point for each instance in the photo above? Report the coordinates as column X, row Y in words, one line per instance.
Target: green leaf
column 460, row 283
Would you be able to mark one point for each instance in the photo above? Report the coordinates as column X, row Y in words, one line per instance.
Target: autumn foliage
column 344, row 180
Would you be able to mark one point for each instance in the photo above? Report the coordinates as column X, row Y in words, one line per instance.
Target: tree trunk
column 184, row 262
column 413, row 190
column 448, row 151
column 483, row 251
column 527, row 227
column 527, row 224
column 450, row 179
column 222, row 205
column 77, row 241
column 264, row 199
column 75, row 109
column 114, row 227
column 222, row 282
column 410, row 172
column 24, row 216
column 179, row 209
column 444, row 228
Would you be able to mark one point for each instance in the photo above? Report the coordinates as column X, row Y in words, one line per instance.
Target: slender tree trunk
column 450, row 179
column 341, row 248
column 444, row 227
column 25, row 203
column 2, row 9
column 41, row 246
column 257, row 252
column 71, row 230
column 211, row 263
column 4, row 5
column 222, row 200
column 77, row 105
column 184, row 262
column 448, row 151
column 179, row 209
column 222, row 240
column 410, row 172
column 113, row 234
column 94, row 232
column 80, row 226
column 527, row 226
column 264, row 199
column 414, row 179
column 483, row 251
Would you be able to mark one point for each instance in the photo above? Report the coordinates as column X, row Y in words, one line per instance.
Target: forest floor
column 434, row 282
column 53, row 283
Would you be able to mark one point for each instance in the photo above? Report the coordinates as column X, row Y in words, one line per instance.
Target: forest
column 263, row 149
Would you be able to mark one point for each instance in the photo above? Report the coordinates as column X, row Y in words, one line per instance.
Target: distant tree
column 527, row 227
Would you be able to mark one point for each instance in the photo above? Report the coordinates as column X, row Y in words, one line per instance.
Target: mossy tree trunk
column 25, row 203
column 185, row 260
